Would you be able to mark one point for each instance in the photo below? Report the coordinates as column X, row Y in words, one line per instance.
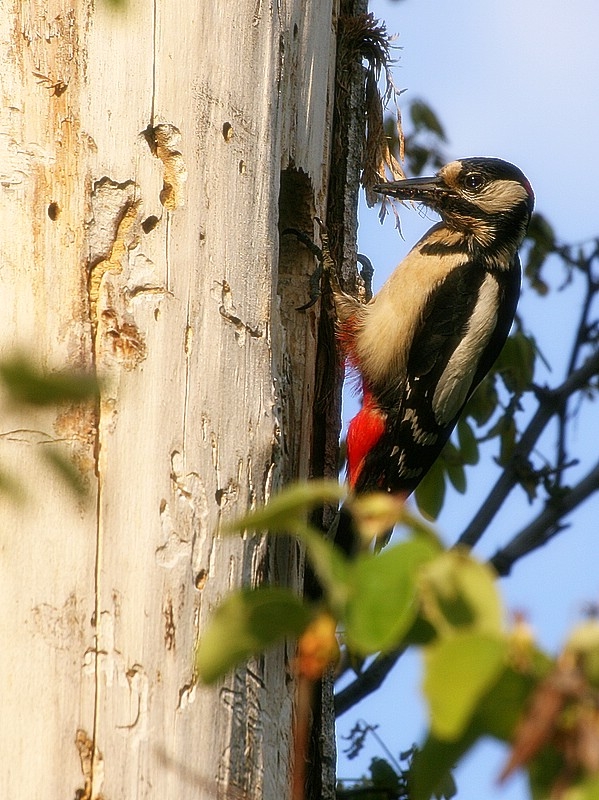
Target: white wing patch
column 456, row 379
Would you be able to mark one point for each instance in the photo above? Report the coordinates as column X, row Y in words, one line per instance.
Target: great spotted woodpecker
column 422, row 345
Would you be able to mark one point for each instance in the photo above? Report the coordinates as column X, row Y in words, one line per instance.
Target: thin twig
column 546, row 525
column 579, row 340
column 551, row 401
column 303, row 714
column 366, row 682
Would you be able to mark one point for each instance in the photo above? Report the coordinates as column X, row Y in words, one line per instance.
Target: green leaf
column 286, row 512
column 507, row 441
column 383, row 605
column 431, row 768
column 584, row 643
column 424, row 118
column 501, row 708
column 26, row 384
column 420, row 633
column 246, row 623
column 483, row 402
column 459, row 592
column 384, row 777
column 416, row 155
column 586, row 789
column 331, row 567
column 496, row 714
column 458, row 672
column 67, row 470
column 543, row 771
column 430, row 492
column 542, row 237
column 516, row 362
column 457, row 475
column 467, row 442
column 452, row 462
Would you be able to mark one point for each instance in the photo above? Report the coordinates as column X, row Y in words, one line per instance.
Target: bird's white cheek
column 501, row 196
column 456, row 380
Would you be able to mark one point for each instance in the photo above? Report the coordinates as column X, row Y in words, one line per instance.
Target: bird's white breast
column 388, row 323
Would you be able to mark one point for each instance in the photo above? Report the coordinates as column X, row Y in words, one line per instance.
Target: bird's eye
column 474, row 181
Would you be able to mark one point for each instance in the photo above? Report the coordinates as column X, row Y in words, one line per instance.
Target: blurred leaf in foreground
column 26, row 384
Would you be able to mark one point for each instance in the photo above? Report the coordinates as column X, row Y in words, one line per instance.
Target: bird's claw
column 315, row 290
column 327, row 268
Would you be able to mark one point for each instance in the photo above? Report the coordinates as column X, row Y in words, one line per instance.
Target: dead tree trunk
column 147, row 159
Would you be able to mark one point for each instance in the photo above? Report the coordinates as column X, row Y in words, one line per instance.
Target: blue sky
column 516, row 80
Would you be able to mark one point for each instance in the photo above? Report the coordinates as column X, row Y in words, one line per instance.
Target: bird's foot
column 326, row 268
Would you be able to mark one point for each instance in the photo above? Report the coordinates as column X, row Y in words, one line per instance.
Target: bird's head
column 484, row 198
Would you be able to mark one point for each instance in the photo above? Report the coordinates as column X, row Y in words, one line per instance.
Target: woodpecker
column 425, row 341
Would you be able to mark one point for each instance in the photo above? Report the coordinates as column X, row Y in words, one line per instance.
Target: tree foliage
column 26, row 386
column 480, row 678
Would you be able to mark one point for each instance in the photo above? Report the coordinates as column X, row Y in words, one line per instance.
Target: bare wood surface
column 141, row 155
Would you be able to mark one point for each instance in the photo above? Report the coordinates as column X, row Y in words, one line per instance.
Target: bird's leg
column 366, row 274
column 329, row 266
column 346, row 305
column 316, row 276
column 326, row 269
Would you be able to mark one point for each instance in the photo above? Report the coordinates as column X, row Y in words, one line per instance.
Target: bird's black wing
column 421, row 418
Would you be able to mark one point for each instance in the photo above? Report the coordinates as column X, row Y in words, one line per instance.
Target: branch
column 366, row 682
column 551, row 401
column 546, row 525
column 535, row 535
column 579, row 341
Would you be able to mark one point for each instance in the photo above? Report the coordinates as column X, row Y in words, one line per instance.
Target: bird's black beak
column 423, row 190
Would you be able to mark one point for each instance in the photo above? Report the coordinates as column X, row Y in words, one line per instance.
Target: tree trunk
column 147, row 158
